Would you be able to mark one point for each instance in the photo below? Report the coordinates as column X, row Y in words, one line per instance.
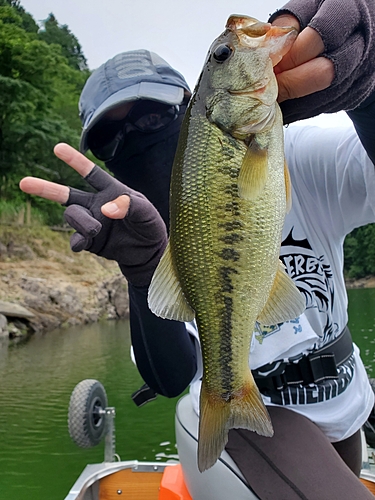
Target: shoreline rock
column 44, row 286
column 366, row 282
column 47, row 305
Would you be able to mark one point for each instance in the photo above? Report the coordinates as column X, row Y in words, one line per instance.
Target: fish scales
column 212, row 229
column 229, row 195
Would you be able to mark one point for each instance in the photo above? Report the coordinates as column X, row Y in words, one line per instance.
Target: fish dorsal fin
column 285, row 302
column 254, row 172
column 288, row 188
column 165, row 296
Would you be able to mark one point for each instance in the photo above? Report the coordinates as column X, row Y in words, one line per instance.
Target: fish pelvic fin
column 254, row 172
column 285, row 301
column 165, row 296
column 244, row 410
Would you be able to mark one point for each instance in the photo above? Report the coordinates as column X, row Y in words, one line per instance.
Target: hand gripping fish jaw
column 238, row 86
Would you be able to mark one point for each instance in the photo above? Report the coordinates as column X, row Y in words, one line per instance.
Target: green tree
column 27, row 21
column 39, row 91
column 53, row 33
column 359, row 251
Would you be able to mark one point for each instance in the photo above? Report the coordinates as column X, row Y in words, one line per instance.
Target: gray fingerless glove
column 347, row 31
column 136, row 242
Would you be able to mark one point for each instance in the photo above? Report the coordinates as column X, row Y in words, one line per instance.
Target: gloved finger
column 94, row 175
column 285, row 20
column 45, row 189
column 82, row 220
column 306, row 79
column 78, row 197
column 346, row 24
column 347, row 58
column 116, row 209
column 99, row 179
column 78, row 242
column 74, row 158
column 302, row 15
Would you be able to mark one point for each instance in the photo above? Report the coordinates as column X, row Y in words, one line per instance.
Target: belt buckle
column 323, row 367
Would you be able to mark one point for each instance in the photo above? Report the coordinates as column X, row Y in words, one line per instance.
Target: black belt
column 314, row 368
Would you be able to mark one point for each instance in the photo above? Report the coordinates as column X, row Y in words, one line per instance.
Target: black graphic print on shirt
column 313, row 277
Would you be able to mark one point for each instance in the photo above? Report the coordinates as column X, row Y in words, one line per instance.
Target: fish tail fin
column 213, row 428
column 248, row 410
column 245, row 410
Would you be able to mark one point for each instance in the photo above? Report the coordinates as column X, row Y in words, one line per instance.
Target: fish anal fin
column 288, row 188
column 165, row 296
column 245, row 410
column 254, row 172
column 285, row 301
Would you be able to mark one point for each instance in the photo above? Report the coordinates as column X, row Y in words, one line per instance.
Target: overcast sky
column 179, row 31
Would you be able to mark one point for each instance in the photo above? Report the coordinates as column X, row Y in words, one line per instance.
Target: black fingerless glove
column 347, row 30
column 136, row 242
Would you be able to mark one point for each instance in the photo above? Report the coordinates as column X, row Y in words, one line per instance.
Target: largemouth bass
column 230, row 192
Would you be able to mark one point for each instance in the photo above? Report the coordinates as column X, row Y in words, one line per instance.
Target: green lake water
column 38, row 460
column 362, row 324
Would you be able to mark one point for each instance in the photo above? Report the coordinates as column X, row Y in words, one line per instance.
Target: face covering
column 145, row 163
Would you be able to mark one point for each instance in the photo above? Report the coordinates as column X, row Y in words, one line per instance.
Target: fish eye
column 222, row 53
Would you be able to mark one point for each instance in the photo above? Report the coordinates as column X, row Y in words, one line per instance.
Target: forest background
column 42, row 72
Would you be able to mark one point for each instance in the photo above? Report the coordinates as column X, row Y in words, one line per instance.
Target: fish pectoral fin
column 244, row 410
column 288, row 188
column 285, row 301
column 165, row 296
column 254, row 172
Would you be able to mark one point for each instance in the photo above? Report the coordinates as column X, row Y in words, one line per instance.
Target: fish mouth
column 248, row 26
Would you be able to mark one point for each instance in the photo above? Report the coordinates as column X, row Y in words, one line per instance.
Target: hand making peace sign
column 116, row 222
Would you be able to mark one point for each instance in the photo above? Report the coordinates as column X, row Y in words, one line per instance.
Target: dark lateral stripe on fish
column 233, row 208
column 229, row 254
column 230, row 239
column 232, row 188
column 226, row 282
column 232, row 225
column 226, row 349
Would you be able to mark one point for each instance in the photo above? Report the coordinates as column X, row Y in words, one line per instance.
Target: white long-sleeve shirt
column 333, row 184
